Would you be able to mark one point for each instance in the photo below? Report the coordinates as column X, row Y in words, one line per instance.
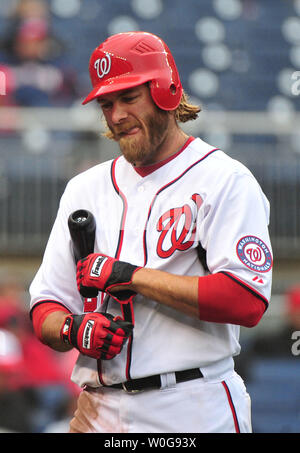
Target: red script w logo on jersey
column 178, row 227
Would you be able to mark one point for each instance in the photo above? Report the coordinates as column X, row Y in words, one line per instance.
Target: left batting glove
column 105, row 273
column 97, row 335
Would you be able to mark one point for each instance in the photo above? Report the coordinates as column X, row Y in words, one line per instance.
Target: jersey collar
column 147, row 169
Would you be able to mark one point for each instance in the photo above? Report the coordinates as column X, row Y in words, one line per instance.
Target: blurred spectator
column 35, row 73
column 15, row 406
column 25, row 11
column 37, row 379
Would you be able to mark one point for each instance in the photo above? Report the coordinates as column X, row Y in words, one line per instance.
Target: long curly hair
column 186, row 111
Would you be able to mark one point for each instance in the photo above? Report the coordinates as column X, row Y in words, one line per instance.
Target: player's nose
column 118, row 113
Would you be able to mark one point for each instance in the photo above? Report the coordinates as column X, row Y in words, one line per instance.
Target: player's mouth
column 129, row 132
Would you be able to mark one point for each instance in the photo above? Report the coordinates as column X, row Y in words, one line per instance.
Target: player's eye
column 106, row 106
column 128, row 99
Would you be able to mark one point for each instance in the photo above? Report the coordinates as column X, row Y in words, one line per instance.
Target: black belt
column 154, row 382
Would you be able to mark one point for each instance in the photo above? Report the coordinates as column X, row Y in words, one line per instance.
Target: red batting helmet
column 130, row 59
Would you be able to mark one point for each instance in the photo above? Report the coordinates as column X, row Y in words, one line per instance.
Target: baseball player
column 182, row 259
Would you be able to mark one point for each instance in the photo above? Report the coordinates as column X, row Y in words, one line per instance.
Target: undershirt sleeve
column 40, row 312
column 224, row 299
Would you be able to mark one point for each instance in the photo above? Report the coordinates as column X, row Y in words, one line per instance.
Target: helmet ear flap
column 166, row 95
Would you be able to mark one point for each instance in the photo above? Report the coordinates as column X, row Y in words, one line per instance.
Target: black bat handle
column 82, row 227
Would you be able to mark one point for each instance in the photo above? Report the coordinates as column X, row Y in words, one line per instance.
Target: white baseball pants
column 197, row 406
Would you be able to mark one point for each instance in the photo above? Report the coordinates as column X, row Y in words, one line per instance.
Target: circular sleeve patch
column 254, row 254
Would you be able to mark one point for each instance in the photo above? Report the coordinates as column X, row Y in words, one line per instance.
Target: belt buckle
column 129, row 391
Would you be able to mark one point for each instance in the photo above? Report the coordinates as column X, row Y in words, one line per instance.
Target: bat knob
column 82, row 227
column 81, row 219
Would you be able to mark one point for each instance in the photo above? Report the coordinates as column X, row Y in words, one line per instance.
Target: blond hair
column 186, row 111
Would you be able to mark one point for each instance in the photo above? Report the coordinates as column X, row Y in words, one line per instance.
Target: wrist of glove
column 97, row 335
column 105, row 273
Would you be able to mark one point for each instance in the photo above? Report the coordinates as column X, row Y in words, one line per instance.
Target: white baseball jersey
column 201, row 199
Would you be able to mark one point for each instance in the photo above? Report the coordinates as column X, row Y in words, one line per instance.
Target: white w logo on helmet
column 103, row 65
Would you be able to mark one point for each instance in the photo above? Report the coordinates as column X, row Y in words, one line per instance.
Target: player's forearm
column 213, row 298
column 47, row 317
column 178, row 292
column 51, row 329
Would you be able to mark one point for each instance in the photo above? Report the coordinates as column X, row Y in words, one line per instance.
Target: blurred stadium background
column 238, row 59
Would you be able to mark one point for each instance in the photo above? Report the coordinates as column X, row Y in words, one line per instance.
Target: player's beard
column 144, row 147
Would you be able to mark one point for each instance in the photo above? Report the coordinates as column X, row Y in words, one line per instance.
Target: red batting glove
column 104, row 273
column 98, row 335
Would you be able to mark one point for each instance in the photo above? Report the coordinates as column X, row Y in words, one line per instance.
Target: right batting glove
column 105, row 273
column 97, row 335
